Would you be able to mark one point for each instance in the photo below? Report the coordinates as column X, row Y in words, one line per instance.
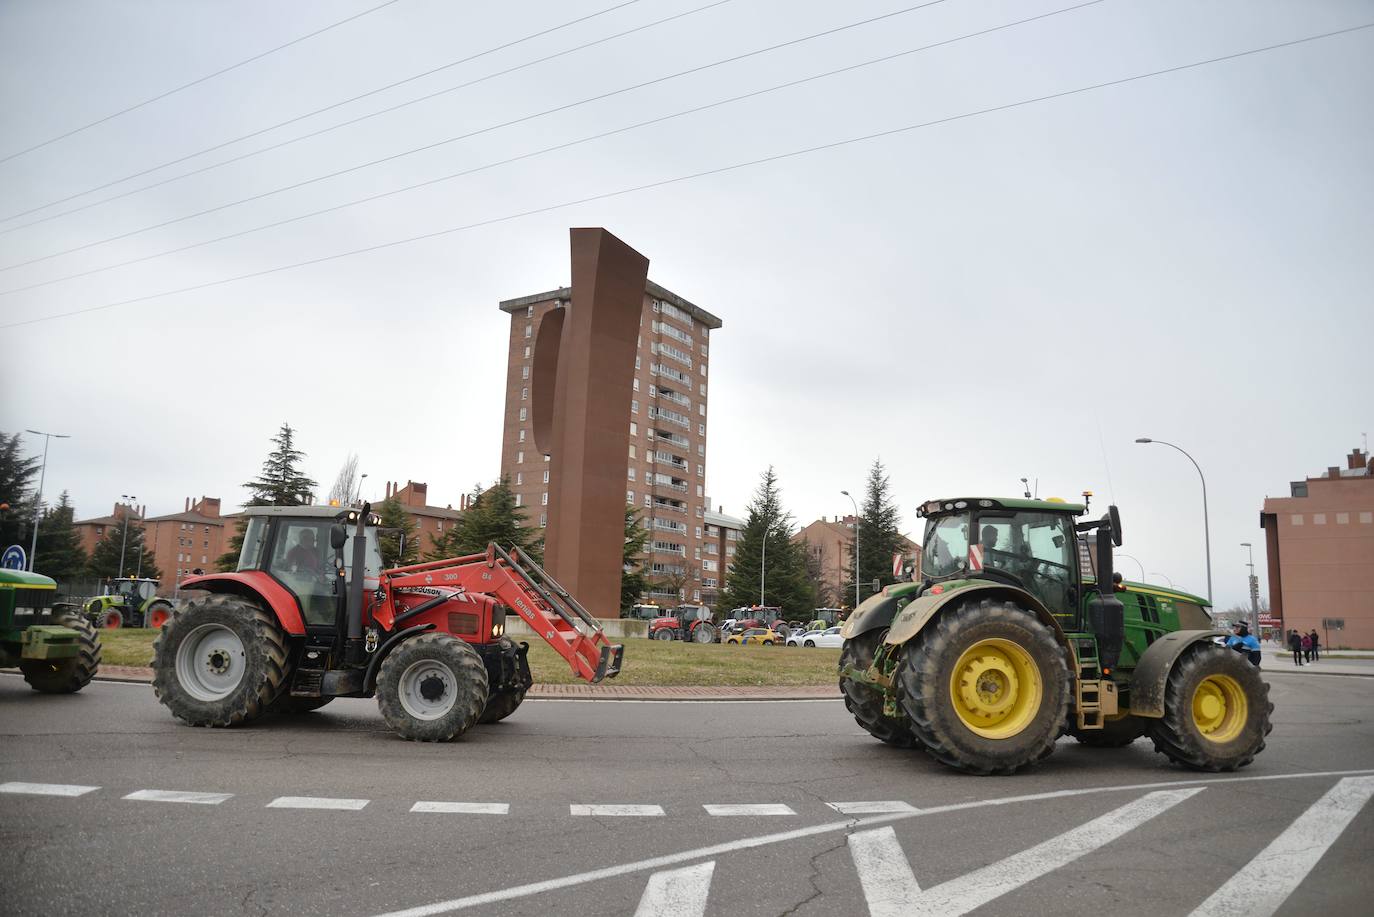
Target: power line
column 777, row 157
column 485, row 130
column 309, row 114
column 196, row 82
column 517, row 158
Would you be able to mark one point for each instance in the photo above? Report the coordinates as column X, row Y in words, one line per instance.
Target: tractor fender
column 877, row 610
column 918, row 613
column 256, row 586
column 370, row 676
column 1151, row 673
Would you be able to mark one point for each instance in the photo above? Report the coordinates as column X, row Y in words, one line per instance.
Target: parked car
column 795, row 638
column 755, row 635
column 828, row 637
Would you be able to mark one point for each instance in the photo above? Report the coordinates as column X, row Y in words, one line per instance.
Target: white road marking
column 884, row 872
column 1264, row 883
column 464, row 808
column 872, row 808
column 46, row 789
column 677, row 892
column 205, row 799
column 316, row 802
column 961, row 895
column 752, row 808
column 781, row 837
column 614, row 810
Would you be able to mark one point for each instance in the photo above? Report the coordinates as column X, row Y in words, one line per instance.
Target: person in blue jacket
column 1242, row 642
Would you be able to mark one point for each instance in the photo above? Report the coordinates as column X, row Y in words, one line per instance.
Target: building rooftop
column 699, row 314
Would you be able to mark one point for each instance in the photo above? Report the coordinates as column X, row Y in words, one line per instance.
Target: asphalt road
column 1088, row 831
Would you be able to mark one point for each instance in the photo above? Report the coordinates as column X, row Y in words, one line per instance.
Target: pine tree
column 491, row 515
column 633, row 582
column 59, row 553
column 880, row 536
column 16, row 486
column 402, row 545
column 280, row 483
column 105, row 559
column 765, row 551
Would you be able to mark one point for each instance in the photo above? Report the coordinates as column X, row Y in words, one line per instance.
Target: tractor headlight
column 498, row 621
column 498, row 629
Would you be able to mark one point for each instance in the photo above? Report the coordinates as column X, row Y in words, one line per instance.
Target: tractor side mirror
column 337, row 536
column 1116, row 525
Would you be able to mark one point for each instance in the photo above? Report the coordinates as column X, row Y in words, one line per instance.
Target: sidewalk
column 1282, row 663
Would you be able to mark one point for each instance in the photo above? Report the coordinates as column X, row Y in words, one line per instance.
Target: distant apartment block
column 190, row 540
column 430, row 521
column 718, row 553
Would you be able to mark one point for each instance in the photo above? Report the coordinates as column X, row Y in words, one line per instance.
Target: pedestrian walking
column 1306, row 647
column 1316, row 645
column 1295, row 644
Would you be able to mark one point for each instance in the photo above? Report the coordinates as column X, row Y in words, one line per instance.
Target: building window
column 546, row 475
column 522, row 436
column 529, row 330
column 634, row 407
column 1366, row 518
column 629, row 496
column 701, row 429
column 529, row 311
column 544, row 498
column 651, row 391
column 543, row 518
column 1342, row 518
column 699, row 489
column 1319, row 518
column 519, row 499
column 631, row 473
column 701, row 409
column 1296, row 520
column 519, row 478
column 203, row 560
column 698, row 531
column 703, row 350
column 524, row 372
column 634, row 428
column 520, row 458
column 527, row 351
column 703, row 369
column 636, row 362
column 632, row 451
column 701, row 448
column 648, row 501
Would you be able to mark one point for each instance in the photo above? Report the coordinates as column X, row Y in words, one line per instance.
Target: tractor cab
column 135, row 590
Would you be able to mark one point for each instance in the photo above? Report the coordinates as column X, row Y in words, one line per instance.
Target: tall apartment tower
column 667, row 422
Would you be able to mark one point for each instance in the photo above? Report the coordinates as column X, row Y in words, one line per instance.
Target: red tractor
column 690, row 623
column 310, row 616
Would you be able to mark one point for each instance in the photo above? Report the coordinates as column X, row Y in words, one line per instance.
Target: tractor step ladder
column 1088, row 685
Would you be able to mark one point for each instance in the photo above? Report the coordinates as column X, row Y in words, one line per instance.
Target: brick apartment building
column 722, row 534
column 431, row 521
column 90, row 531
column 1320, row 552
column 831, row 543
column 190, row 540
column 667, row 421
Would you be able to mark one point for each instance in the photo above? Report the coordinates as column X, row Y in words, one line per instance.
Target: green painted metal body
column 23, row 598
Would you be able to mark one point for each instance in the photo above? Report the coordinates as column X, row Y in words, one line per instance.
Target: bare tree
column 341, row 494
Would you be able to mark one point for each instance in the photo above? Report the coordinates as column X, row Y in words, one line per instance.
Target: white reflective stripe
column 872, row 808
column 758, row 808
column 1263, row 884
column 888, row 884
column 316, row 802
column 46, row 789
column 205, row 799
column 677, row 893
column 464, row 808
column 614, row 810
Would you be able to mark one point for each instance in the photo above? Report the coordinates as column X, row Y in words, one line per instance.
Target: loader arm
column 520, row 583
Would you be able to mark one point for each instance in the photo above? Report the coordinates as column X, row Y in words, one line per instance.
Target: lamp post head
column 1246, row 544
column 1144, row 439
column 845, row 492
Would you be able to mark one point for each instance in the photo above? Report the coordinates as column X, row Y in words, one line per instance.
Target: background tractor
column 129, row 602
column 309, row 616
column 690, row 623
column 55, row 647
column 1007, row 641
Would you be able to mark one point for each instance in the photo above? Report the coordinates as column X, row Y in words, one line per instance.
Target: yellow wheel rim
column 1220, row 708
column 996, row 688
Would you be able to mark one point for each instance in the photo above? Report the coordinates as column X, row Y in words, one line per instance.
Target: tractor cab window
column 1036, row 548
column 302, row 562
column 946, row 547
column 372, row 561
column 254, row 536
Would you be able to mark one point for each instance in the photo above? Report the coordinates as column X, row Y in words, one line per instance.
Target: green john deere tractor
column 55, row 647
column 129, row 602
column 1005, row 642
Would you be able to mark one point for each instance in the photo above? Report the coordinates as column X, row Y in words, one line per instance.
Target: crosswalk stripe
column 884, row 872
column 46, row 789
column 464, row 808
column 1263, row 884
column 754, row 808
column 205, row 799
column 316, row 802
column 677, row 892
column 961, row 895
column 880, row 807
column 614, row 810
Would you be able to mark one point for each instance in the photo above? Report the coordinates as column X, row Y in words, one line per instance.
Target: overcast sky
column 1021, row 293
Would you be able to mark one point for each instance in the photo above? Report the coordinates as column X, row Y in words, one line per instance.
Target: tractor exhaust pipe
column 353, row 647
column 1106, row 613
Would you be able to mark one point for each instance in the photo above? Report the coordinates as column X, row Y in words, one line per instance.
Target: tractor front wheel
column 112, row 619
column 158, row 614
column 866, row 702
column 664, row 634
column 66, row 676
column 986, row 687
column 1216, row 710
column 220, row 662
column 1117, row 732
column 432, row 688
column 704, row 633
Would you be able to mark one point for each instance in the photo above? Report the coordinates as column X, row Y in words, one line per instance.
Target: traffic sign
column 13, row 558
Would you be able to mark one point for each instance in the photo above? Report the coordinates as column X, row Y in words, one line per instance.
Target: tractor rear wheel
column 432, row 688
column 1116, row 732
column 664, row 634
column 1216, row 710
column 112, row 619
column 220, row 662
column 66, row 676
column 986, row 687
column 865, row 702
column 158, row 614
column 500, row 706
column 704, row 633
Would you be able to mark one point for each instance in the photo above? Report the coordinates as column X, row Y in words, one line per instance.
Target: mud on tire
column 926, row 677
column 221, row 661
column 66, row 676
column 866, row 703
column 432, row 688
column 1193, row 731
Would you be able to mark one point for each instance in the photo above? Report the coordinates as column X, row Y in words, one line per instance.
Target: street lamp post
column 1254, row 591
column 124, row 540
column 763, row 564
column 38, row 500
column 1137, row 563
column 1166, row 579
column 856, row 546
column 1206, row 526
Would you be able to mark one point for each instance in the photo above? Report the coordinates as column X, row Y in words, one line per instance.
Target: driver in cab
column 304, row 556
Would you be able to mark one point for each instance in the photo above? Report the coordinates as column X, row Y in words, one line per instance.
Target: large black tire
column 664, row 634
column 1205, row 675
column 66, row 676
column 864, row 702
column 432, row 688
column 287, row 705
column 704, row 633
column 1117, row 732
column 158, row 614
column 111, row 619
column 221, row 661
column 1024, row 709
column 500, row 706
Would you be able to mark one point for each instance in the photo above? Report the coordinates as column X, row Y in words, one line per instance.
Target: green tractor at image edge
column 56, row 648
column 129, row 602
column 1004, row 643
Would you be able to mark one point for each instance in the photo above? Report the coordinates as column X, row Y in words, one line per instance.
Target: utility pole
column 1254, row 591
column 1206, row 524
column 124, row 540
column 763, row 564
column 38, row 500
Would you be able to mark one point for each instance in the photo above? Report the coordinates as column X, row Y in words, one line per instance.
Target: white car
column 829, row 637
column 797, row 636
